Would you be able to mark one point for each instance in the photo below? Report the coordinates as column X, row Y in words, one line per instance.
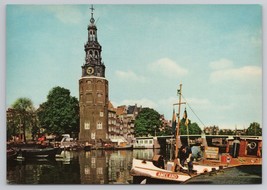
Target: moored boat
column 87, row 146
column 39, row 152
column 239, row 151
column 126, row 147
column 11, row 154
column 146, row 170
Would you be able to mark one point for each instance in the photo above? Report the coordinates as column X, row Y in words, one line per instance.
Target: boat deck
column 233, row 162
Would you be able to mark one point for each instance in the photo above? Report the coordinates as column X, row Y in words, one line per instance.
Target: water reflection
column 42, row 172
column 107, row 167
column 78, row 167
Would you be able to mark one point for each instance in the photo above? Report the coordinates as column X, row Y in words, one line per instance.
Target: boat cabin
column 244, row 146
column 146, row 142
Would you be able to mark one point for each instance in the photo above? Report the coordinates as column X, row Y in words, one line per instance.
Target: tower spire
column 92, row 20
column 93, row 50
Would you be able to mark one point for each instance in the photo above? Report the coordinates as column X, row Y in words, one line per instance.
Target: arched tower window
column 99, row 85
column 90, row 54
column 96, row 54
column 91, row 35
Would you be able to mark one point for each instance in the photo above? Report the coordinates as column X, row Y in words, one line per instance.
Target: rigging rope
column 193, row 111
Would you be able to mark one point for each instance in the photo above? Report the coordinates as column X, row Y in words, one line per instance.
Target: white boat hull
column 147, row 169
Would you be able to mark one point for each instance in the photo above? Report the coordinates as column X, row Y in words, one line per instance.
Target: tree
column 254, row 129
column 147, row 122
column 193, row 129
column 12, row 123
column 21, row 116
column 60, row 113
column 165, row 127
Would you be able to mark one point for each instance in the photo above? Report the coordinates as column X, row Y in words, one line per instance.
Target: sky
column 215, row 51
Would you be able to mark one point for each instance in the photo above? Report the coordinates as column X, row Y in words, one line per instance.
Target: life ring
column 252, row 145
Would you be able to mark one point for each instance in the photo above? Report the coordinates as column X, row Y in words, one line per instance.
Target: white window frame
column 86, row 125
column 99, row 171
column 92, row 135
column 99, row 125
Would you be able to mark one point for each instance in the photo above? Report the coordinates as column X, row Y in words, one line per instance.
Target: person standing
column 184, row 157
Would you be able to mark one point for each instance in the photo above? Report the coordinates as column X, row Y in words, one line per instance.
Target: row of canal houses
column 121, row 126
column 121, row 122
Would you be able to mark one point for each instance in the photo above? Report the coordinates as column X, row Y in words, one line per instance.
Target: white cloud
column 66, row 13
column 221, row 64
column 224, row 70
column 242, row 74
column 130, row 75
column 167, row 67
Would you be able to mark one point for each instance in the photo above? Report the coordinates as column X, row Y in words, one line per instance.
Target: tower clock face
column 90, row 70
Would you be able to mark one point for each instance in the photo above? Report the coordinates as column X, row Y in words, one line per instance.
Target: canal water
column 107, row 167
column 78, row 167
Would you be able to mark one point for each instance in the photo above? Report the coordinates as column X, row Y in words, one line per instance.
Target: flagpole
column 187, row 125
column 187, row 131
column 178, row 124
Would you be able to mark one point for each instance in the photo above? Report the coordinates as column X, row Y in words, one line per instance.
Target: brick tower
column 93, row 91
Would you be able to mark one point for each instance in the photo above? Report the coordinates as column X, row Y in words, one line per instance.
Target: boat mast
column 178, row 123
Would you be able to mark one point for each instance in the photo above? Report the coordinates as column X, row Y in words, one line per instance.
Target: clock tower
column 93, row 91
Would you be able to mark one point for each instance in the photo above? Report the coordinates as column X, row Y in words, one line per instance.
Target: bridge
column 211, row 140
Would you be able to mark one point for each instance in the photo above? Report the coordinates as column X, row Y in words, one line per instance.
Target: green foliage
column 165, row 130
column 254, row 129
column 147, row 122
column 193, row 128
column 13, row 123
column 60, row 113
column 23, row 104
column 21, row 117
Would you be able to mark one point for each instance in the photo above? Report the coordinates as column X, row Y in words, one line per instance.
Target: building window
column 87, row 125
column 89, row 97
column 101, row 114
column 93, row 162
column 99, row 125
column 92, row 135
column 87, row 170
column 99, row 171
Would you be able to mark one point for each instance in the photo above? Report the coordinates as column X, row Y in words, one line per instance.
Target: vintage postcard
column 134, row 94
